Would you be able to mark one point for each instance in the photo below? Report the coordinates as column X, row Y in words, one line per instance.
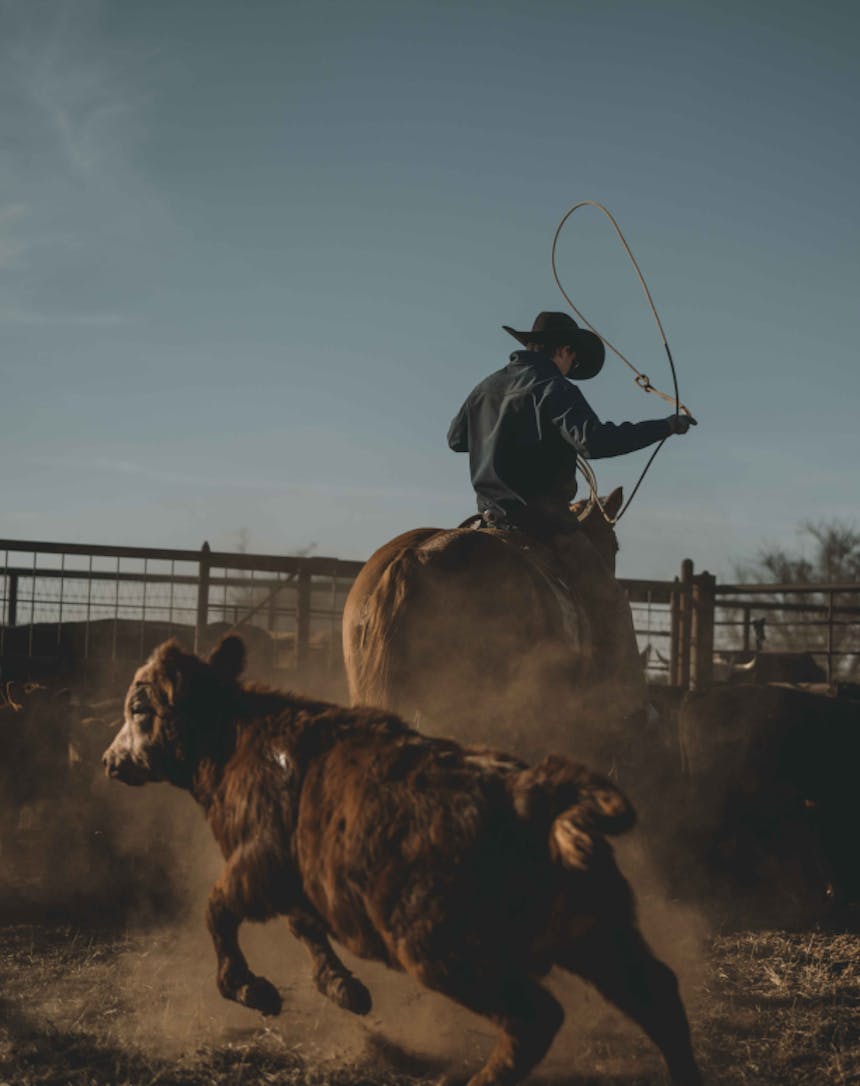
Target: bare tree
column 835, row 558
column 831, row 555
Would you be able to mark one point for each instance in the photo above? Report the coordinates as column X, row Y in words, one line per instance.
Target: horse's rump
column 442, row 618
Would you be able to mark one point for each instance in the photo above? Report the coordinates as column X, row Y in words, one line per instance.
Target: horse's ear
column 614, row 502
column 228, row 658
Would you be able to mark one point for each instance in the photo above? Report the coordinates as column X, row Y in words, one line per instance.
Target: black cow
column 773, row 774
column 768, row 667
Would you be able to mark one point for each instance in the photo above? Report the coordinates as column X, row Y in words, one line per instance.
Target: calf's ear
column 228, row 658
column 168, row 655
column 168, row 663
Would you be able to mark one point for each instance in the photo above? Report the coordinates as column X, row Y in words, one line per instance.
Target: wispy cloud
column 173, row 477
column 80, row 93
column 75, row 103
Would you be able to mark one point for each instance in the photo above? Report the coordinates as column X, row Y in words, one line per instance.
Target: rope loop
column 644, row 382
column 641, row 379
column 593, row 496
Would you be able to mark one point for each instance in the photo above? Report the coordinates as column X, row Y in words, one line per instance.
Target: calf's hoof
column 260, row 995
column 346, row 991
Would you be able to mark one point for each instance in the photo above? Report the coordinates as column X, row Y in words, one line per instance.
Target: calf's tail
column 575, row 806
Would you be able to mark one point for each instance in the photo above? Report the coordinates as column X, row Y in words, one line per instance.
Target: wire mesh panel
column 65, row 604
column 296, row 603
column 652, row 621
column 820, row 620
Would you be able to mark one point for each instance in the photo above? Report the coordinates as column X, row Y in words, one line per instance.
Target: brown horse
column 478, row 628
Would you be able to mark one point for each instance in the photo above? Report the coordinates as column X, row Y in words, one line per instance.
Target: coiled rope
column 640, row 379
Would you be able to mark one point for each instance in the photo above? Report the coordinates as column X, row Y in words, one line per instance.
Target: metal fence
column 651, row 606
column 82, row 603
column 711, row 620
column 823, row 620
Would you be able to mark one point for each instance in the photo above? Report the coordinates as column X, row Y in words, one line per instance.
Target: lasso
column 641, row 379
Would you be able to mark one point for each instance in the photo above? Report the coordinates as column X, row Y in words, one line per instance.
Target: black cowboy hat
column 560, row 330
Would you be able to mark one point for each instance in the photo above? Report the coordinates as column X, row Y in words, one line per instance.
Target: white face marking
column 285, row 762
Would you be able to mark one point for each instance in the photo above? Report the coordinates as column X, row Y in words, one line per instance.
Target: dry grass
column 100, row 1009
column 782, row 1008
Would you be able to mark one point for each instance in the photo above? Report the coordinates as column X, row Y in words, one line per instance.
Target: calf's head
column 177, row 712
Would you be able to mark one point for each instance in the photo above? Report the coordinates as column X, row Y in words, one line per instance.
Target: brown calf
column 457, row 865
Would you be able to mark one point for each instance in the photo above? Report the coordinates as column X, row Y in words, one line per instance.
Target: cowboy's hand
column 680, row 424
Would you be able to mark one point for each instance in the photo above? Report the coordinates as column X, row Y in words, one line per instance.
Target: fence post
column 703, row 607
column 674, row 633
column 747, row 628
column 830, row 637
column 12, row 603
column 303, row 617
column 202, row 598
column 685, row 624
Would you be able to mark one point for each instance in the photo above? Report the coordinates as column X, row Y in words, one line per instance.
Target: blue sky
column 254, row 255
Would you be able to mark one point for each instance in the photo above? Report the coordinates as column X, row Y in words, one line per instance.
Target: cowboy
column 523, row 428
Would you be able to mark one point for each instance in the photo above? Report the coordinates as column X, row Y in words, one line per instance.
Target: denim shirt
column 523, row 427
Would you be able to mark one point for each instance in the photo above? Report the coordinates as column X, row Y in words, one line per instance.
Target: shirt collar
column 535, row 360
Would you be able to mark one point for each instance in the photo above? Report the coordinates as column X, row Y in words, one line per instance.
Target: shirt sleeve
column 458, row 431
column 573, row 417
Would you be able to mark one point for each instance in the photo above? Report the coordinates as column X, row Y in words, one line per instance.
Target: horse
column 475, row 630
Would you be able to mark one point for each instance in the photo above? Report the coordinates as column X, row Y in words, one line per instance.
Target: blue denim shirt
column 522, row 428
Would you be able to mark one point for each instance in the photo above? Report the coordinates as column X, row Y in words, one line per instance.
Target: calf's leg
column 528, row 1017
column 331, row 976
column 225, row 913
column 619, row 964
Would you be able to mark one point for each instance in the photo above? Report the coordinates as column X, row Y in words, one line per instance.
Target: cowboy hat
column 560, row 330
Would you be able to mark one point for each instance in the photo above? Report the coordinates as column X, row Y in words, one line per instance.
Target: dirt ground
column 88, row 1006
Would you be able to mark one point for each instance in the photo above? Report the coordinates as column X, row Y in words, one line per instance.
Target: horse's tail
column 576, row 806
column 378, row 666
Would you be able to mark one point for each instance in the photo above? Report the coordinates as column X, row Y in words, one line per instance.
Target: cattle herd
column 468, row 868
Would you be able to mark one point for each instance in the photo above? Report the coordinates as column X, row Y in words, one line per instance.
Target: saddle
column 539, row 522
column 536, row 545
column 571, row 621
